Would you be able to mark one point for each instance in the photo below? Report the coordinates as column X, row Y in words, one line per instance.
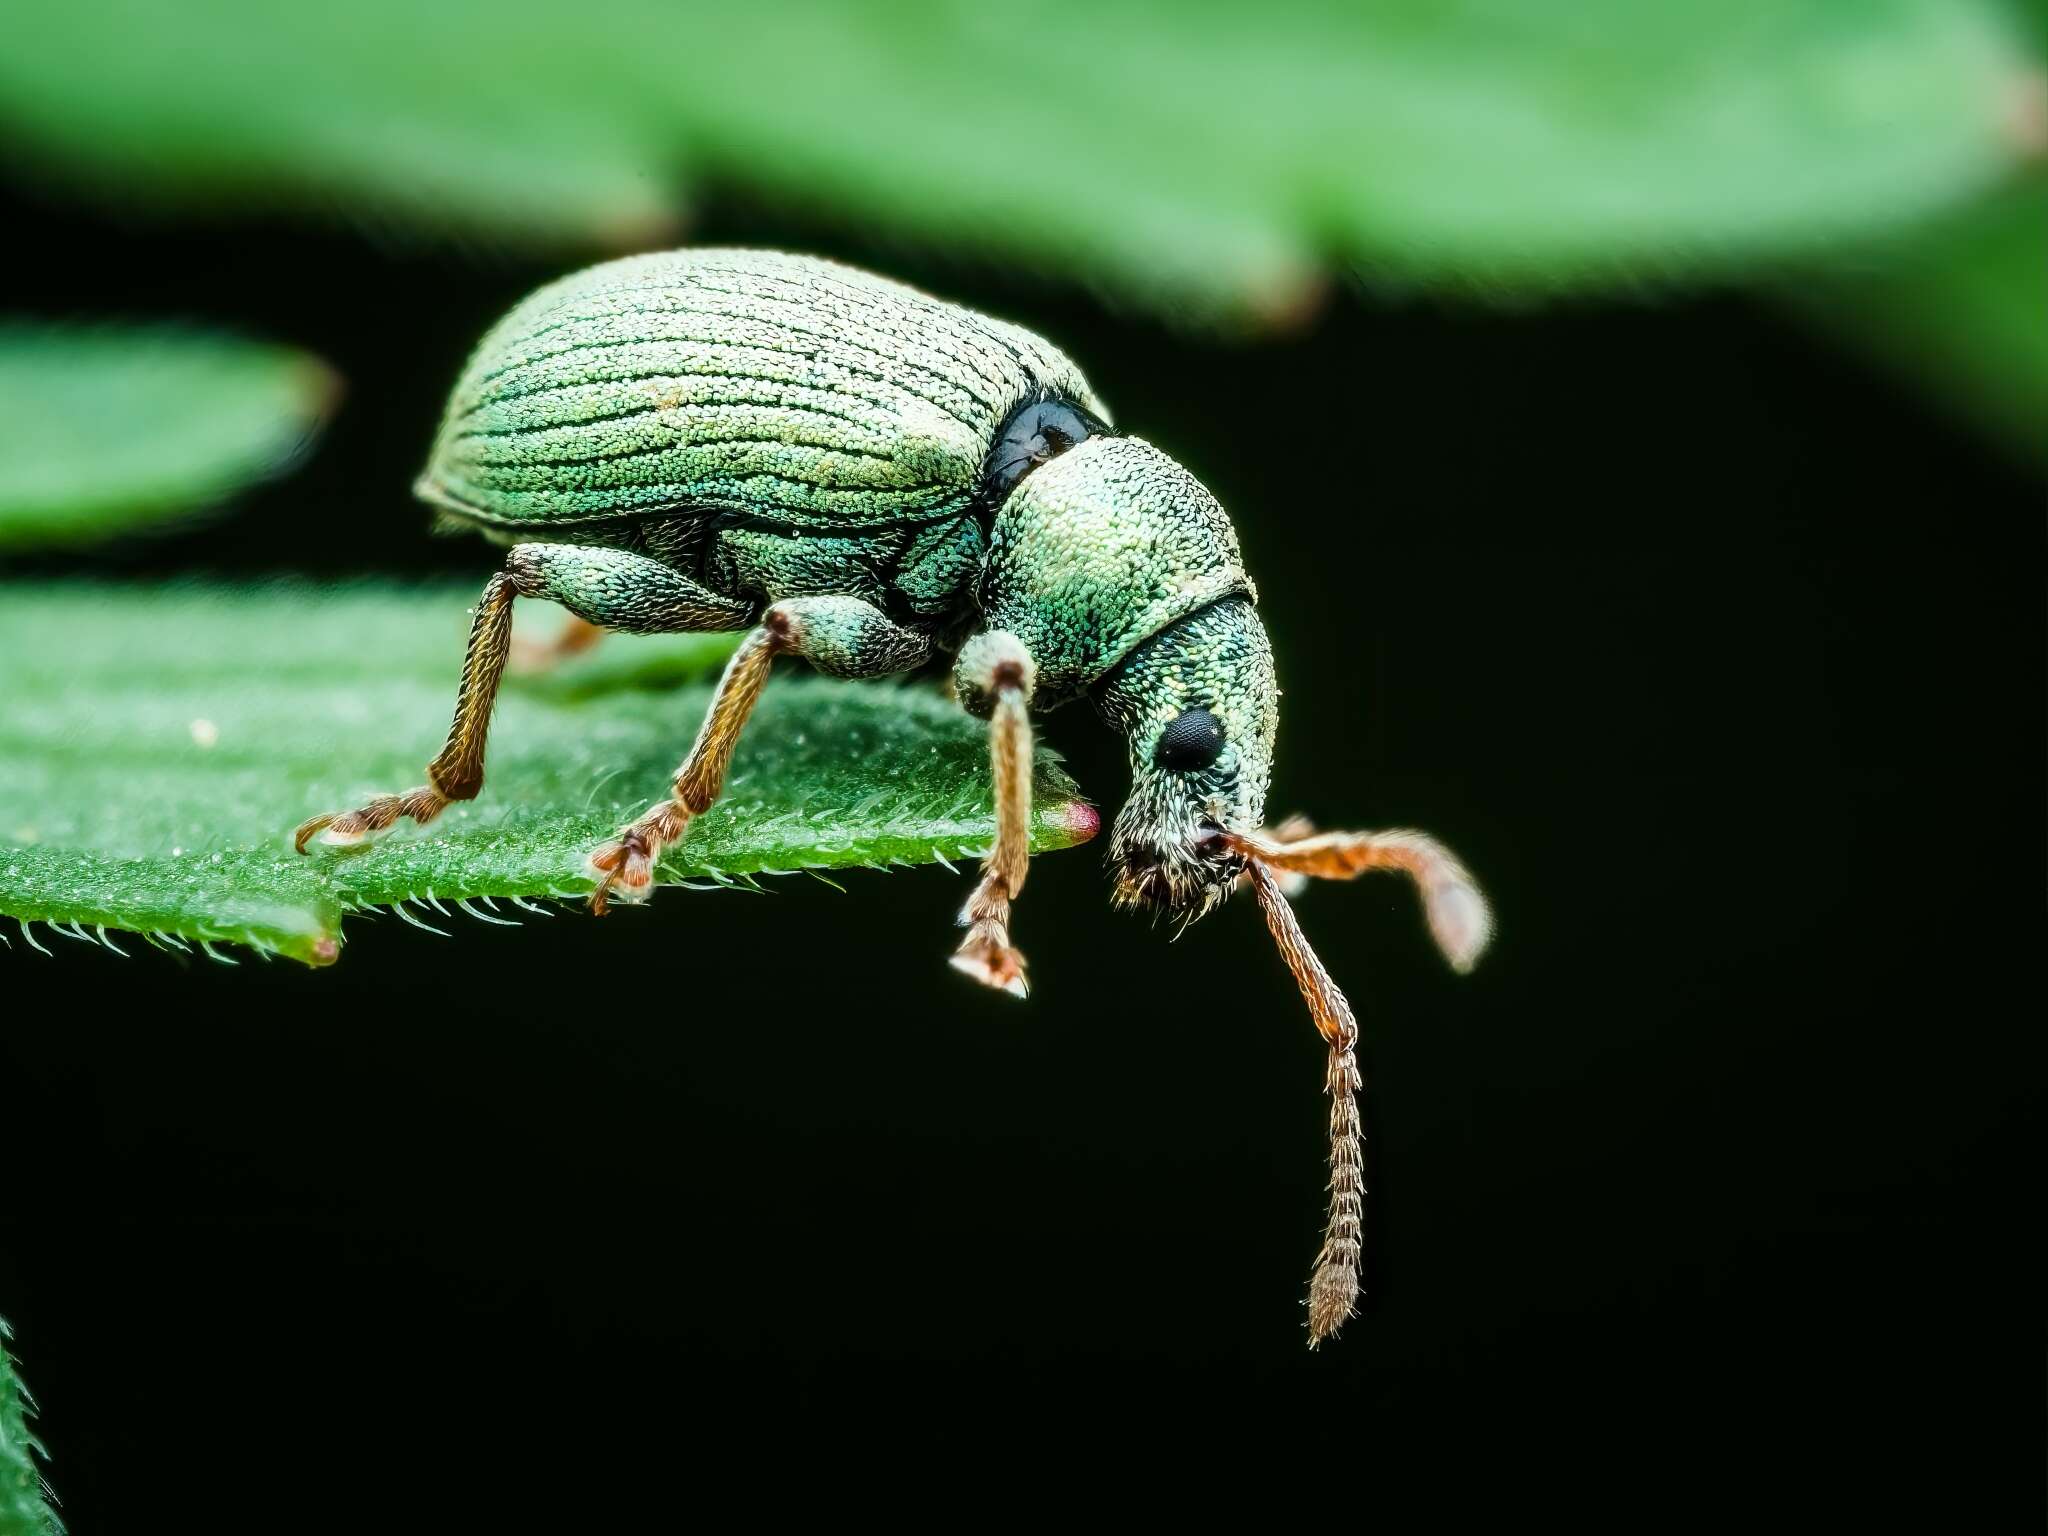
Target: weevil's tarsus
column 1333, row 1287
column 995, row 674
column 370, row 821
column 1459, row 918
column 843, row 636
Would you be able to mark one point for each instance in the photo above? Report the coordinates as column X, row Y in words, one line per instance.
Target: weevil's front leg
column 843, row 636
column 606, row 587
column 1333, row 1287
column 995, row 675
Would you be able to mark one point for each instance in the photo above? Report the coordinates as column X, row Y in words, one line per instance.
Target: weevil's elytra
column 865, row 477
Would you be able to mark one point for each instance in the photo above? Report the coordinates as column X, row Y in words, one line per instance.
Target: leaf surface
column 158, row 746
column 23, row 1511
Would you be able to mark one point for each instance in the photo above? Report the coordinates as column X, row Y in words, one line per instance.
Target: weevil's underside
column 865, row 477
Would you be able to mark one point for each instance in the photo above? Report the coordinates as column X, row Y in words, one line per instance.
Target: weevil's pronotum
column 865, row 477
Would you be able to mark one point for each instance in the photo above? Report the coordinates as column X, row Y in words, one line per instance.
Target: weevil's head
column 1121, row 576
column 1198, row 705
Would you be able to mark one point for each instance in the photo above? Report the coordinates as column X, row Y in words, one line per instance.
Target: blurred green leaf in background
column 108, row 428
column 1964, row 308
column 153, row 766
column 1184, row 152
column 1200, row 158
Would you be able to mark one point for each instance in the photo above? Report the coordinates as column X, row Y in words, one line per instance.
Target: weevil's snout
column 1197, row 705
column 1182, row 871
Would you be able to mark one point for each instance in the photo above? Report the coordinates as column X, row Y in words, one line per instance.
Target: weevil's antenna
column 1333, row 1288
column 1459, row 918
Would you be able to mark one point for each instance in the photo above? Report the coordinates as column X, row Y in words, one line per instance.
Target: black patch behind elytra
column 1038, row 430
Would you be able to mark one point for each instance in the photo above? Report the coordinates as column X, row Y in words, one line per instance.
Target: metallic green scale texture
column 682, row 440
column 783, row 388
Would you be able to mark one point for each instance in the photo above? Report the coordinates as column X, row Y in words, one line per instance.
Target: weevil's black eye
column 1036, row 431
column 1191, row 741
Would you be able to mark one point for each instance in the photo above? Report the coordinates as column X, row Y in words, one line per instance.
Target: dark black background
column 1716, row 654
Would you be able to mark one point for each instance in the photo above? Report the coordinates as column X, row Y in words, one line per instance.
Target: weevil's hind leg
column 843, row 636
column 531, row 658
column 995, row 675
column 602, row 587
column 458, row 773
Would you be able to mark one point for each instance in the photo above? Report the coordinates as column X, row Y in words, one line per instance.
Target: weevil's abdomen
column 780, row 388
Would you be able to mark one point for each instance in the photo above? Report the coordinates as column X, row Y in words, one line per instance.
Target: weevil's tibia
column 1333, row 1287
column 458, row 773
column 995, row 673
column 842, row 636
column 625, row 867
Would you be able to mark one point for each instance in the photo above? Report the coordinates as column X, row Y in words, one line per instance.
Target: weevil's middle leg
column 995, row 669
column 625, row 866
column 843, row 636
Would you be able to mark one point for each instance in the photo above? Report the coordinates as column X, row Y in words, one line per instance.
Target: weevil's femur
column 1198, row 707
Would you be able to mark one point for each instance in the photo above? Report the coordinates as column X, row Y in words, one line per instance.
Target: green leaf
column 157, row 747
column 109, row 428
column 22, row 1510
column 1964, row 309
column 1188, row 152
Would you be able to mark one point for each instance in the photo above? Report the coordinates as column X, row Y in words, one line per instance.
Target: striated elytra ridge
column 779, row 387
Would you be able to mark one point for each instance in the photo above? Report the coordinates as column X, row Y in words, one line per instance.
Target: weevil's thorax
column 1099, row 549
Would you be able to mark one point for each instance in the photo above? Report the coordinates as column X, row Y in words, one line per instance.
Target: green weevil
column 867, row 478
